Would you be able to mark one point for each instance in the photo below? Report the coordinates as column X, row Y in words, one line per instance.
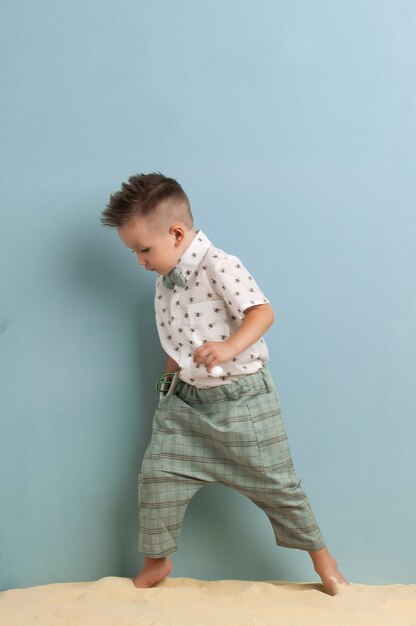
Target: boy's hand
column 213, row 353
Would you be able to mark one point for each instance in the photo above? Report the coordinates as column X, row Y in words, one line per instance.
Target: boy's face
column 158, row 251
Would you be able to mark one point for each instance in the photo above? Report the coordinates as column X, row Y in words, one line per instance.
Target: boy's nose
column 140, row 260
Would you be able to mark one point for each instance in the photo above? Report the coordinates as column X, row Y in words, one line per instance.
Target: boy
column 209, row 312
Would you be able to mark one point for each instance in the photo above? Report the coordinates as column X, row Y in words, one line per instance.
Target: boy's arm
column 257, row 320
column 171, row 365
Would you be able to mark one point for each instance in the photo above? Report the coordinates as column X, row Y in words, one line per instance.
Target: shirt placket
column 178, row 328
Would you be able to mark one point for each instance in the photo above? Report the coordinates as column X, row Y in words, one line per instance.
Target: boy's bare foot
column 326, row 567
column 153, row 571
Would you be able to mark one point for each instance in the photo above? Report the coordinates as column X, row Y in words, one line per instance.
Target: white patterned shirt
column 210, row 307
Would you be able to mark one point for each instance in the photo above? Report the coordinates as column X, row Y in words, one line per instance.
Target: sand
column 114, row 601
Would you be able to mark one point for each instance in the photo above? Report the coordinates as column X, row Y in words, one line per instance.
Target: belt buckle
column 168, row 383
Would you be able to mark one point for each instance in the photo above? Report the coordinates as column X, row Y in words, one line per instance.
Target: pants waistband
column 260, row 382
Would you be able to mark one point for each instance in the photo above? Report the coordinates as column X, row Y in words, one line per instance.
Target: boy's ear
column 178, row 233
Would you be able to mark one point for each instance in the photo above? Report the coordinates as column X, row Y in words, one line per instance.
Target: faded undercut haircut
column 142, row 195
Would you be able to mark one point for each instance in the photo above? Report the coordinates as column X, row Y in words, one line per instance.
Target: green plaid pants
column 230, row 434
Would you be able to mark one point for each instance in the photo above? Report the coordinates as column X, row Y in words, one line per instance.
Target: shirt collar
column 194, row 254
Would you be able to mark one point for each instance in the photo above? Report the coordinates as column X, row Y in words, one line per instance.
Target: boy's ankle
column 153, row 571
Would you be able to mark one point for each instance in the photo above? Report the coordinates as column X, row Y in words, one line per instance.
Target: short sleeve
column 236, row 285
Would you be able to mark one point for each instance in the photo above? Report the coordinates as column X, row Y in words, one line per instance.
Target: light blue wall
column 291, row 124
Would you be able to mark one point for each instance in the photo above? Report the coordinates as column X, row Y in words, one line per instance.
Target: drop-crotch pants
column 230, row 434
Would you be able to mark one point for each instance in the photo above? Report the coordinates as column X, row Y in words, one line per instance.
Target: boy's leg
column 153, row 571
column 268, row 478
column 281, row 497
column 327, row 568
column 165, row 490
column 163, row 499
column 273, row 484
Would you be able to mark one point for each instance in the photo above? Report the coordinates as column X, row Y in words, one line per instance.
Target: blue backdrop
column 291, row 125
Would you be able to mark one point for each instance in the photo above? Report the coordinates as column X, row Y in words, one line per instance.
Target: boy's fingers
column 199, row 354
column 201, row 350
column 204, row 353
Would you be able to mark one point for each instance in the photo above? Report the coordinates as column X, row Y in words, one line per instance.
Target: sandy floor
column 187, row 602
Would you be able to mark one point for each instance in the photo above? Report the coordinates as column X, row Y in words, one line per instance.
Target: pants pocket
column 267, row 420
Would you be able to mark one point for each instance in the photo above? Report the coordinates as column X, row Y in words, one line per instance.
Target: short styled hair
column 140, row 197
